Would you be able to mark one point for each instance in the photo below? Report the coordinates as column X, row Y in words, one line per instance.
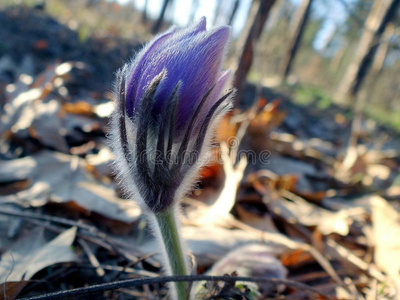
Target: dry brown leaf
column 254, row 260
column 63, row 178
column 11, row 289
column 226, row 129
column 32, row 253
column 261, row 125
column 251, row 260
column 296, row 258
column 263, row 223
column 78, row 108
column 310, row 215
column 47, row 125
column 386, row 229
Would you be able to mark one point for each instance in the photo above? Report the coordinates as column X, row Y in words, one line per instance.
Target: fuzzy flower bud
column 168, row 103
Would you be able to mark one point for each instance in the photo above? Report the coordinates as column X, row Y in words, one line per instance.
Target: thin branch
column 164, row 279
column 103, row 241
column 92, row 258
column 52, row 219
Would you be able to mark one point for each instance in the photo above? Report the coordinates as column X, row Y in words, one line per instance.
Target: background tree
column 381, row 14
column 217, row 11
column 160, row 19
column 193, row 10
column 144, row 12
column 297, row 30
column 233, row 12
column 258, row 15
column 383, row 48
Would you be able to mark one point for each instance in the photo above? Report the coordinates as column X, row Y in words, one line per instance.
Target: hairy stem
column 167, row 223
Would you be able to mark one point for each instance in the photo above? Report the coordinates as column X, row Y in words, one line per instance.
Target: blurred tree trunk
column 381, row 14
column 329, row 41
column 251, row 33
column 373, row 80
column 383, row 48
column 170, row 13
column 193, row 10
column 233, row 12
column 144, row 12
column 158, row 23
column 217, row 11
column 297, row 29
column 337, row 59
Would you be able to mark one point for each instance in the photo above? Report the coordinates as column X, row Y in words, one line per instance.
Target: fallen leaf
column 11, row 289
column 263, row 223
column 253, row 260
column 386, row 231
column 61, row 178
column 208, row 244
column 32, row 254
column 48, row 127
column 311, row 215
column 78, row 108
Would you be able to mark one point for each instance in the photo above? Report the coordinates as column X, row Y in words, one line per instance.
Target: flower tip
column 219, row 36
column 223, row 31
column 199, row 26
column 202, row 22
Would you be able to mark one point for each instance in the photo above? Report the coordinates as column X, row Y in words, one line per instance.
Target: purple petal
column 157, row 45
column 214, row 96
column 216, row 93
column 196, row 63
column 137, row 66
column 191, row 31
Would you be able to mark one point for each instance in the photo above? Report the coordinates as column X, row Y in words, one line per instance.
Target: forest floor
column 305, row 205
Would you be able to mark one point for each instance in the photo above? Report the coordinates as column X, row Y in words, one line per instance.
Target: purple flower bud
column 168, row 104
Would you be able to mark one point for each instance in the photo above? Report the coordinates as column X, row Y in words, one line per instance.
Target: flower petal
column 196, row 64
column 137, row 66
column 215, row 95
column 159, row 44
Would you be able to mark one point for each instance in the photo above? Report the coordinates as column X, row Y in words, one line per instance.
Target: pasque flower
column 168, row 102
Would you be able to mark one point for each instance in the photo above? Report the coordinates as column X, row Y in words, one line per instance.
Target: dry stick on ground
column 92, row 258
column 52, row 219
column 56, row 229
column 346, row 255
column 234, row 174
column 107, row 244
column 63, row 272
column 119, row 269
column 165, row 279
column 219, row 211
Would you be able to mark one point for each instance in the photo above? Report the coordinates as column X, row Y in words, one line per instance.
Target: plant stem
column 167, row 223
